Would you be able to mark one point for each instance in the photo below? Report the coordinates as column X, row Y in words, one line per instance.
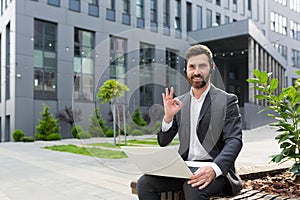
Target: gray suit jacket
column 219, row 131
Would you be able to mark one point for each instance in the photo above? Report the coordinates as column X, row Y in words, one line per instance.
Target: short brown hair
column 199, row 49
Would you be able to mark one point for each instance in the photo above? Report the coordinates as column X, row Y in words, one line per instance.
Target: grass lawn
column 105, row 153
column 95, row 152
column 148, row 141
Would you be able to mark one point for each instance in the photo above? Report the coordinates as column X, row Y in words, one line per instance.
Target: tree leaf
column 273, row 84
column 253, row 80
column 260, row 96
column 256, row 73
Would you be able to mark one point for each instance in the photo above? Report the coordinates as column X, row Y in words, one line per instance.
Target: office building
column 60, row 52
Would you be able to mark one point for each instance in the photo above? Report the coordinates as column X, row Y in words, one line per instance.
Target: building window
column 153, row 14
column 199, row 17
column 189, row 17
column 74, row 5
column 83, row 64
column 208, row 18
column 281, row 2
column 166, row 13
column 45, row 59
column 295, row 58
column 140, row 13
column 126, row 12
column 226, row 4
column 93, row 8
column 54, row 2
column 234, row 5
column 295, row 5
column 227, row 20
column 278, row 23
column 177, row 21
column 147, row 56
column 294, row 30
column 281, row 49
column 118, row 62
column 250, row 5
column 172, row 61
column 218, row 19
column 218, row 2
column 111, row 11
column 7, row 62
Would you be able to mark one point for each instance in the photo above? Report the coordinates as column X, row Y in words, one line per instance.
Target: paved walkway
column 29, row 172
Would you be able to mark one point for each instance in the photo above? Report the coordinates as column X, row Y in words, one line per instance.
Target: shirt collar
column 203, row 95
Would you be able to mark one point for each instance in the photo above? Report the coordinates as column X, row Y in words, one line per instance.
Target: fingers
column 202, row 177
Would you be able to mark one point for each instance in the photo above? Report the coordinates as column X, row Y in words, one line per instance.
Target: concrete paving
column 29, row 172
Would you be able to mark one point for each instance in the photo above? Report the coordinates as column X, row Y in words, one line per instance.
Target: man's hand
column 171, row 106
column 202, row 177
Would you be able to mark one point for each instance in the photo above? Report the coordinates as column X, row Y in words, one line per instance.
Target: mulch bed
column 278, row 183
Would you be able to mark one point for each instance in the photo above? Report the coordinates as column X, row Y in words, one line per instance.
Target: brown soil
column 282, row 184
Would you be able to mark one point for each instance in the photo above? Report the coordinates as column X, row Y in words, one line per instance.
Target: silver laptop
column 160, row 161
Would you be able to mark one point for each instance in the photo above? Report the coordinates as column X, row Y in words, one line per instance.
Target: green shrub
column 84, row 135
column 136, row 132
column 109, row 132
column 147, row 130
column 137, row 118
column 53, row 136
column 28, row 139
column 76, row 129
column 47, row 125
column 96, row 124
column 18, row 135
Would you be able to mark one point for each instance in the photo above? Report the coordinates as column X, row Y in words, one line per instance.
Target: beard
column 198, row 85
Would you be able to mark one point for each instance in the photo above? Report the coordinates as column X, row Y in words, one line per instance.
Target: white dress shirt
column 196, row 150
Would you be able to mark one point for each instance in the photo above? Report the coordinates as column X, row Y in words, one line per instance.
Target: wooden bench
column 244, row 194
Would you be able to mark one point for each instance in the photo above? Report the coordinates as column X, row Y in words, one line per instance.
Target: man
column 208, row 123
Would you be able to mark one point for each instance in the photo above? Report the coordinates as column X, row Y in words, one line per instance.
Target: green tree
column 110, row 91
column 96, row 124
column 287, row 111
column 47, row 125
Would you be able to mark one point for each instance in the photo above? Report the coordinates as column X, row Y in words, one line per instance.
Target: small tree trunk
column 119, row 129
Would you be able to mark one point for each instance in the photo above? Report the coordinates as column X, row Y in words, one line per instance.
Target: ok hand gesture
column 171, row 105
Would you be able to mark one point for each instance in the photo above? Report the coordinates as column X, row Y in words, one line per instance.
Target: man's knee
column 194, row 192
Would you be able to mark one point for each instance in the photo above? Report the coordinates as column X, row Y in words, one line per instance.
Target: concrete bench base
column 244, row 194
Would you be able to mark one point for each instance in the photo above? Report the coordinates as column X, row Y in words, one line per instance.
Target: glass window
column 250, row 5
column 153, row 11
column 278, row 23
column 218, row 2
column 111, row 4
column 208, row 18
column 227, row 20
column 140, row 8
column 118, row 62
column 199, row 17
column 295, row 58
column 45, row 59
column 172, row 61
column 294, row 30
column 234, row 5
column 126, row 6
column 93, row 8
column 166, row 13
column 74, row 5
column 218, row 19
column 189, row 17
column 54, row 2
column 83, row 64
column 147, row 55
column 177, row 21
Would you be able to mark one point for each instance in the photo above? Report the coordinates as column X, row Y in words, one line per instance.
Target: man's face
column 197, row 70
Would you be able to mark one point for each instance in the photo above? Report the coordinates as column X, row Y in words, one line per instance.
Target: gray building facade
column 59, row 52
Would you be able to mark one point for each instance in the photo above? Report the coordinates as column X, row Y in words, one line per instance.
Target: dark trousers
column 149, row 187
